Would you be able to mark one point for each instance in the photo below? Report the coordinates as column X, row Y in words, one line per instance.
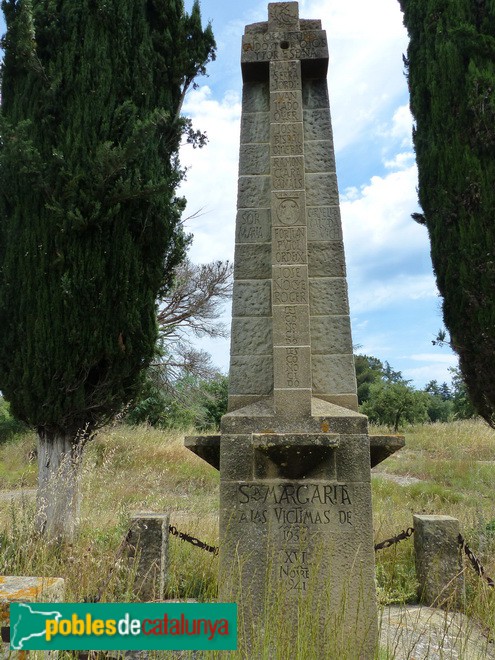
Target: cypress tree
column 90, row 128
column 451, row 73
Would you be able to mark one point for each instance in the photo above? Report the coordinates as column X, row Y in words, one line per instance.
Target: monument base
column 296, row 537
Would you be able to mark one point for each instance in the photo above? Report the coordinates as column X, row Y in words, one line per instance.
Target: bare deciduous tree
column 191, row 308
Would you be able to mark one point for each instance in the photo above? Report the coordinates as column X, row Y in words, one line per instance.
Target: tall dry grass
column 449, row 469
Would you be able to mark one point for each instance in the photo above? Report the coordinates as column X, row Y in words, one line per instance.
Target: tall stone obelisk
column 296, row 537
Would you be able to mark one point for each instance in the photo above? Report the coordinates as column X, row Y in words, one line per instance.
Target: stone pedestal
column 296, row 532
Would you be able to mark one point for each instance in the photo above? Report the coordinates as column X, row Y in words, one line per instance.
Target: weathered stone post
column 438, row 558
column 296, row 537
column 148, row 539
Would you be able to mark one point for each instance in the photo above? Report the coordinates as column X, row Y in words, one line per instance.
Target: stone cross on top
column 291, row 338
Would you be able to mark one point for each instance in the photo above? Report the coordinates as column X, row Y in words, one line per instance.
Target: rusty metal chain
column 405, row 534
column 192, row 540
column 477, row 565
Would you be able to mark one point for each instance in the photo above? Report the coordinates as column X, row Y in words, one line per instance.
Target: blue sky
column 395, row 307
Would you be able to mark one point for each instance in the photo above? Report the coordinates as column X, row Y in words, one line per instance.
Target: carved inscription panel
column 306, row 45
column 298, row 515
column 253, row 226
column 289, row 245
column 290, row 285
column 286, row 139
column 292, row 367
column 324, row 223
column 286, row 107
column 285, row 76
column 288, row 173
column 291, row 326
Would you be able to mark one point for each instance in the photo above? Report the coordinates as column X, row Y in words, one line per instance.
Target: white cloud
column 366, row 42
column 432, row 370
column 377, row 222
column 402, row 123
column 433, row 357
column 211, row 184
column 378, row 295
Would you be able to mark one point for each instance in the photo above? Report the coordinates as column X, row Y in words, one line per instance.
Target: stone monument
column 296, row 537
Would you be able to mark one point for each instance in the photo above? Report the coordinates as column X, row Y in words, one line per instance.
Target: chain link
column 405, row 534
column 477, row 565
column 193, row 540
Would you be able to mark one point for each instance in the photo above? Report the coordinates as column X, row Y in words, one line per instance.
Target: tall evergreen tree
column 90, row 127
column 451, row 70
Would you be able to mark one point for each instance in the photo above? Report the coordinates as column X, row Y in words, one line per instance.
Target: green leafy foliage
column 394, row 404
column 191, row 402
column 369, row 370
column 9, row 426
column 90, row 224
column 451, row 72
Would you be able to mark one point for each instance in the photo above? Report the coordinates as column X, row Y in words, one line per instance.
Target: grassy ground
column 131, row 469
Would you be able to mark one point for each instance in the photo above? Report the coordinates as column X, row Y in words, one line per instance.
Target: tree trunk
column 59, row 463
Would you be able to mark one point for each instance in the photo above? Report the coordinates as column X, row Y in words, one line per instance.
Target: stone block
column 328, row 296
column 251, row 374
column 252, row 298
column 252, row 261
column 285, row 76
column 317, row 124
column 333, row 374
column 289, row 245
column 254, row 159
column 237, row 401
column 353, row 458
column 322, row 189
column 310, row 24
column 255, row 97
column 292, row 367
column 236, row 457
column 287, row 173
column 260, row 48
column 283, row 16
column 286, row 139
column 347, row 401
column 20, row 589
column 438, row 560
column 291, row 325
column 148, row 541
column 315, row 94
column 324, row 223
column 253, row 192
column 288, row 208
column 326, row 259
column 290, row 285
column 331, row 335
column 319, row 156
column 286, row 107
column 256, row 28
column 251, row 336
column 291, row 403
column 255, row 127
column 253, row 226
